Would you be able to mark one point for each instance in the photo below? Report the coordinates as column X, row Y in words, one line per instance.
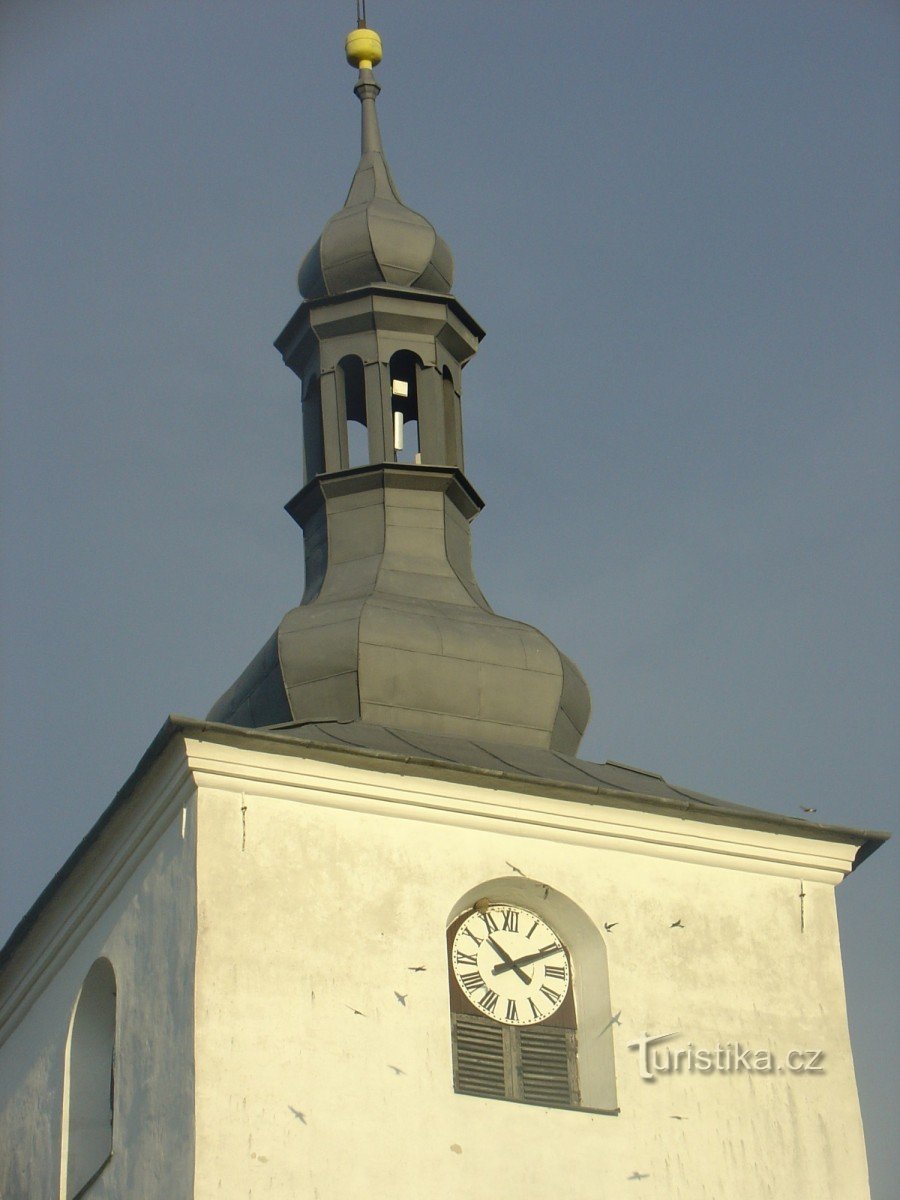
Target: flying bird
column 301, row 1117
column 396, row 1070
column 676, row 924
column 417, row 968
column 638, row 1175
column 355, row 1011
column 513, row 867
column 608, row 925
column 803, row 808
column 401, row 999
column 614, row 1020
column 675, row 1117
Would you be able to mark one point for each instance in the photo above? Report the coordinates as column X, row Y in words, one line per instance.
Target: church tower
column 371, row 928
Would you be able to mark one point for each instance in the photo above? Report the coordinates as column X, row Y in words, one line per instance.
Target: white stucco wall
column 133, row 902
column 320, row 887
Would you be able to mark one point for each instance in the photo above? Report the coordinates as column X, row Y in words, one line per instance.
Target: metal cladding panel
column 446, row 724
column 257, row 698
column 337, row 694
column 331, row 650
column 411, row 626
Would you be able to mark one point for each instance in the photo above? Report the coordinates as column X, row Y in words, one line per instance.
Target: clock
column 510, row 964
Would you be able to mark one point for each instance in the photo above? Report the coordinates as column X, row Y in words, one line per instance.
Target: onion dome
column 375, row 238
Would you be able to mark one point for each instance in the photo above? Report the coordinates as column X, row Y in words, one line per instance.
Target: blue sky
column 675, row 221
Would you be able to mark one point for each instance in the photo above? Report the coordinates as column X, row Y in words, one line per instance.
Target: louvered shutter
column 547, row 1065
column 479, row 1058
column 535, row 1063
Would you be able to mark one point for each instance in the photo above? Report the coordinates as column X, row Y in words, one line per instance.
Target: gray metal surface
column 375, row 238
column 394, row 629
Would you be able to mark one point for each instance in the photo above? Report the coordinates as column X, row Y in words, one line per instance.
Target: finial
column 363, row 48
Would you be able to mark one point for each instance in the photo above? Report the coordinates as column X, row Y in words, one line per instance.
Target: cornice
column 615, row 820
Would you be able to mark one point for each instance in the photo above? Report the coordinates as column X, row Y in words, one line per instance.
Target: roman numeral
column 555, row 972
column 490, row 924
column 531, row 930
column 466, row 958
column 511, row 920
column 549, row 993
column 489, row 1000
column 535, row 1011
column 469, row 933
column 511, row 1011
column 472, row 981
column 552, row 948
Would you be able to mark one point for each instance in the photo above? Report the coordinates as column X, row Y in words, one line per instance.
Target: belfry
column 393, row 629
column 371, row 928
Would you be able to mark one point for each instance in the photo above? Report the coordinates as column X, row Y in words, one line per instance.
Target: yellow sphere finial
column 363, row 47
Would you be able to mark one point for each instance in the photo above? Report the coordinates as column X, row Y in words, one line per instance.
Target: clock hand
column 514, row 964
column 510, row 965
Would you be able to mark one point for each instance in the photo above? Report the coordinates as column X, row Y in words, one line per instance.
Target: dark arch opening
column 353, row 387
column 403, row 369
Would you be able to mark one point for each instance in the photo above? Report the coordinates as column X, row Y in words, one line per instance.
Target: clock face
column 510, row 964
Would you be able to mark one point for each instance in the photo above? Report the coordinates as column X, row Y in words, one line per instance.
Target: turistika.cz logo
column 731, row 1058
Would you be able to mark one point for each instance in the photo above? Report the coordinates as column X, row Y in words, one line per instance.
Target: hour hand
column 508, row 964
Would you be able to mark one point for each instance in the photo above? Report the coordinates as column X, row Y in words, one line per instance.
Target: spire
column 392, row 628
column 375, row 238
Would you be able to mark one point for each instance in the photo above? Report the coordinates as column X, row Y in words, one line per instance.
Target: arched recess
column 89, row 1089
column 405, row 404
column 589, row 976
column 352, row 385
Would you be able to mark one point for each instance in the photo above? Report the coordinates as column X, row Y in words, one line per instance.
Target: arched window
column 89, row 1094
column 405, row 405
column 529, row 998
column 353, row 384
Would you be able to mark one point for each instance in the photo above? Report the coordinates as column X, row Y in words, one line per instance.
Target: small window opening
column 405, row 407
column 355, row 408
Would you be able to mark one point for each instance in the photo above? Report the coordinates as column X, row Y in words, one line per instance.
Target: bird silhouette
column 676, row 924
column 638, row 1175
column 301, row 1117
column 417, row 968
column 613, row 1020
column 355, row 1011
column 608, row 925
column 513, row 867
column 401, row 998
column 803, row 808
column 675, row 1117
column 396, row 1070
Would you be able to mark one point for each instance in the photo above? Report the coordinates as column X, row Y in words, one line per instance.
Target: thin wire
column 361, row 14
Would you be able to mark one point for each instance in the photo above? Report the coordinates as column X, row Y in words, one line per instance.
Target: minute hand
column 526, row 959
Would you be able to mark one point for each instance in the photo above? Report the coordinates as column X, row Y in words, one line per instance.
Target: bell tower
column 371, row 928
column 393, row 628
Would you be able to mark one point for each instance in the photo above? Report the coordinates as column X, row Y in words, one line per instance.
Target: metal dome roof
column 375, row 238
